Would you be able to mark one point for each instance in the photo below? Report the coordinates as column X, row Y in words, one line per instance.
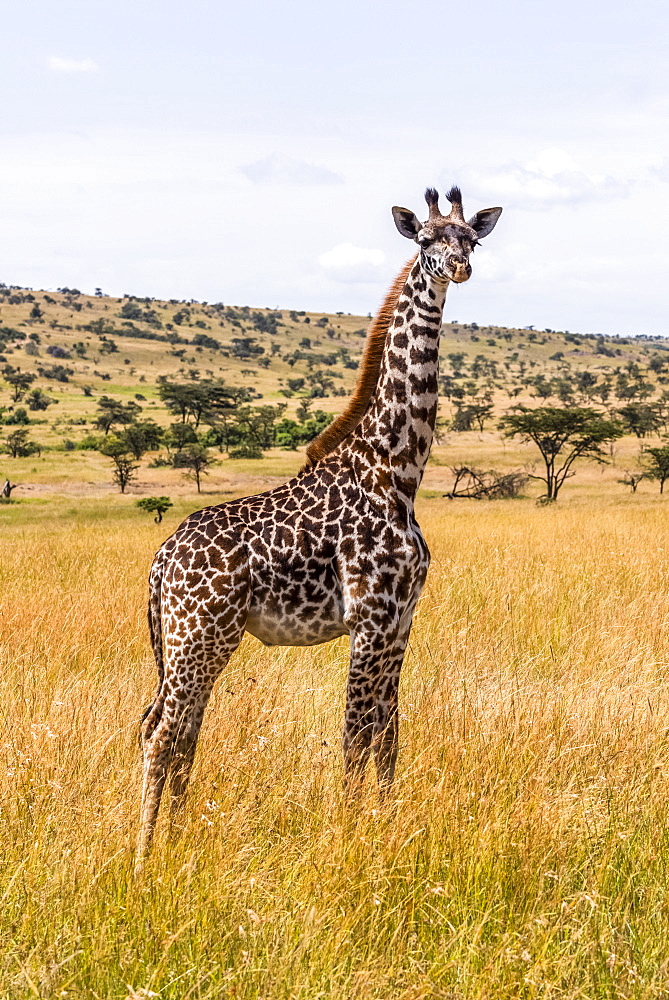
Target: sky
column 250, row 153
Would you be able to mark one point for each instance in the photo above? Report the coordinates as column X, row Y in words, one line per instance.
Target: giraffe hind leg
column 172, row 725
column 151, row 713
column 183, row 752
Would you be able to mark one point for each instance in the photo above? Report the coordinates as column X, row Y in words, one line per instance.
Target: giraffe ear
column 485, row 221
column 406, row 222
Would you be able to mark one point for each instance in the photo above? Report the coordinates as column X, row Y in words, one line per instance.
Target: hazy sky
column 251, row 152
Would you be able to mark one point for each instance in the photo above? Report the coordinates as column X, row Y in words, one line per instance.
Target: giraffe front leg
column 358, row 729
column 386, row 720
column 386, row 726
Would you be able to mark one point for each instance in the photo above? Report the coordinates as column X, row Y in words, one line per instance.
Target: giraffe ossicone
column 334, row 551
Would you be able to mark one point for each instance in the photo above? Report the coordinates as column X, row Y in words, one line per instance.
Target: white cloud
column 281, row 169
column 60, row 65
column 349, row 263
column 549, row 180
column 551, row 162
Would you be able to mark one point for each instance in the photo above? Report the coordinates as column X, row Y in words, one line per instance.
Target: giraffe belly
column 290, row 631
column 295, row 601
column 285, row 614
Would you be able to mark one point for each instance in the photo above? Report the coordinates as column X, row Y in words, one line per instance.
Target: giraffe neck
column 396, row 431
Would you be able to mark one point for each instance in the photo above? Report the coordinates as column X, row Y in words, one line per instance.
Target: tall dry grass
column 525, row 854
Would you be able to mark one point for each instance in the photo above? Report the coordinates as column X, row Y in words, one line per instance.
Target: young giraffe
column 335, row 551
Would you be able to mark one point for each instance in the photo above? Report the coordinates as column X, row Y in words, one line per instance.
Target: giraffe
column 334, row 551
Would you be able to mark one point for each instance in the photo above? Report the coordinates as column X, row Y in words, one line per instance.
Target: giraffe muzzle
column 460, row 273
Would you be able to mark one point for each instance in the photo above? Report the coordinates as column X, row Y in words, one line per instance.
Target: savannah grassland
column 525, row 851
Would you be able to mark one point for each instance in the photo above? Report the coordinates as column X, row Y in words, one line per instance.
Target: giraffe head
column 446, row 241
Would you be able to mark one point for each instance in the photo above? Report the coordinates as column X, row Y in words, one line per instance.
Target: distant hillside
column 81, row 346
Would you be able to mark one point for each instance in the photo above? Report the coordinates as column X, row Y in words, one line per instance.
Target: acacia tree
column 125, row 468
column 199, row 399
column 632, row 479
column 113, row 411
column 19, row 445
column 39, row 400
column 642, row 419
column 562, row 435
column 195, row 459
column 155, row 505
column 656, row 462
column 18, row 381
column 145, row 435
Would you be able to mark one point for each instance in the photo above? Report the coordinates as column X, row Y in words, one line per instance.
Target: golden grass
column 525, row 854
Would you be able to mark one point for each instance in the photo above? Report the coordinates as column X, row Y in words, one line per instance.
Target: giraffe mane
column 370, row 366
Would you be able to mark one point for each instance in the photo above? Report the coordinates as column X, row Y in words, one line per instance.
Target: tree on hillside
column 222, row 432
column 178, row 436
column 656, row 463
column 113, row 411
column 632, row 385
column 562, row 436
column 125, row 468
column 255, row 425
column 564, row 390
column 142, row 436
column 18, row 444
column 200, row 399
column 18, row 381
column 204, row 340
column 468, row 415
column 303, row 410
column 133, row 311
column 195, row 459
column 602, row 391
column 641, row 418
column 458, row 363
column 586, row 383
column 19, row 416
column 540, row 386
column 245, row 347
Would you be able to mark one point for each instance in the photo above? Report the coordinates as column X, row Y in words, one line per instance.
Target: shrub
column 157, row 505
column 57, row 352
column 19, row 416
column 248, row 449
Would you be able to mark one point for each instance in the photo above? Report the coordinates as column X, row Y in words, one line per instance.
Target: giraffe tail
column 156, row 633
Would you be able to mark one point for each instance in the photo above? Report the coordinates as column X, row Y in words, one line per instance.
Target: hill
column 76, row 348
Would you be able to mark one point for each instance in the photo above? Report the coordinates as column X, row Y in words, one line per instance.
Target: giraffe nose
column 461, row 271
